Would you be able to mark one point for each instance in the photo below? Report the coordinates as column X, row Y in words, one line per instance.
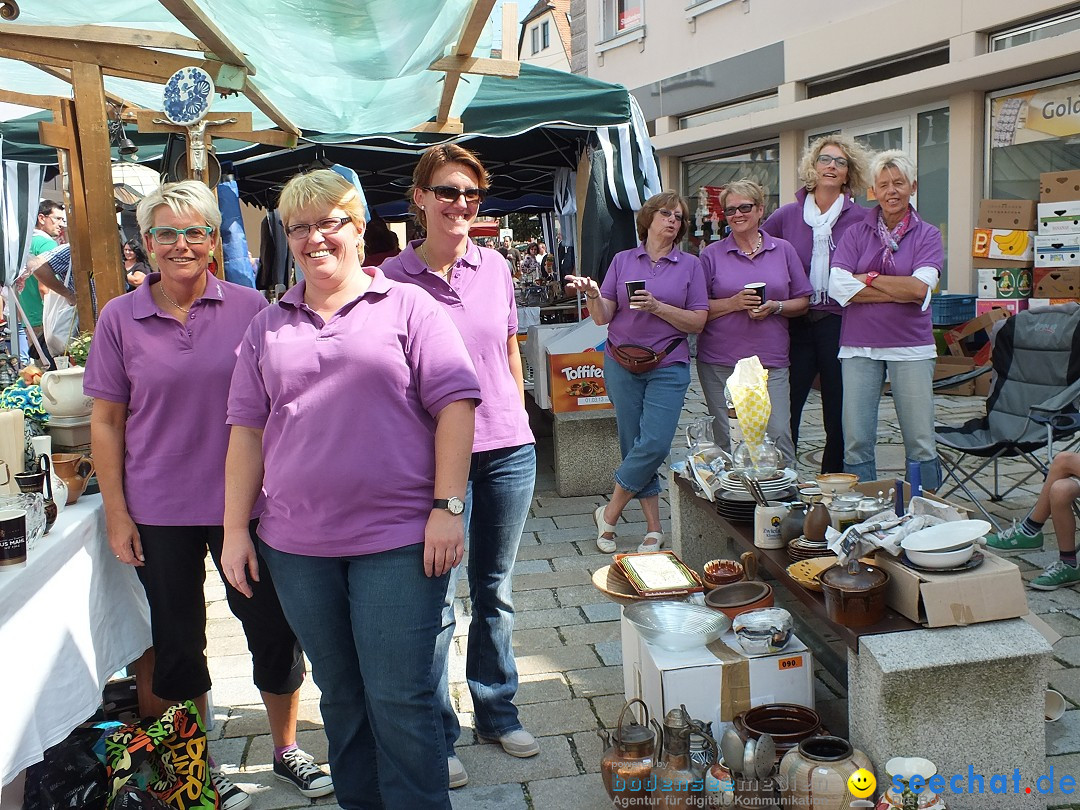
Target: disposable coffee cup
column 633, row 287
column 1053, row 706
column 12, row 539
column 758, row 289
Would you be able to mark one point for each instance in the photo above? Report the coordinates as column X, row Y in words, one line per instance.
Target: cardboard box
column 1007, row 214
column 1059, row 250
column 718, row 679
column 994, row 264
column 983, row 384
column 1057, row 282
column 954, row 338
column 1011, row 306
column 1059, row 186
column 1056, row 218
column 1011, row 245
column 947, row 366
column 993, row 591
column 1004, row 282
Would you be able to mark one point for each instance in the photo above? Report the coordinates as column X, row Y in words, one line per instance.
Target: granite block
column 586, row 452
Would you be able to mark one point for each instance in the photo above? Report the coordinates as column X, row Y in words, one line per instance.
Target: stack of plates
column 772, row 487
column 736, row 506
column 802, row 549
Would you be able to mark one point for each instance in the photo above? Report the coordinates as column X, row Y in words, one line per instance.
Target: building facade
column 545, row 35
column 985, row 94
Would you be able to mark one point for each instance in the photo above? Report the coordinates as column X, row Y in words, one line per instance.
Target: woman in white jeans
column 883, row 272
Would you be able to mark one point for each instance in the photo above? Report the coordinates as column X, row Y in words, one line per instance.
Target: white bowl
column 941, row 559
column 945, row 536
column 836, row 483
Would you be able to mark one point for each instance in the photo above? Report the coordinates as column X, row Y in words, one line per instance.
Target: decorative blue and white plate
column 187, row 96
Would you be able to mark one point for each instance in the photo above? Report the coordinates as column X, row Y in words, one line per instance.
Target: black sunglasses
column 745, row 208
column 449, row 194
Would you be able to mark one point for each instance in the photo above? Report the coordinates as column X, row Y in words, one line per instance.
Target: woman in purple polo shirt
column 833, row 170
column 159, row 371
column 883, row 272
column 352, row 411
column 740, row 325
column 473, row 285
column 670, row 304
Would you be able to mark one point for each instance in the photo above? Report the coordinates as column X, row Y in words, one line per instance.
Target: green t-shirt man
column 30, row 297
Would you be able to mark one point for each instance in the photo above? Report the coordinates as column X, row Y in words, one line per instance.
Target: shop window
column 1036, row 30
column 1032, row 129
column 620, row 16
column 769, row 102
column 878, row 71
column 545, row 36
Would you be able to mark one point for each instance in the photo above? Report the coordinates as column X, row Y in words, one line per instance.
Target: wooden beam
column 477, row 17
column 64, row 74
column 146, row 118
column 110, row 35
column 195, row 20
column 269, row 109
column 507, row 68
column 27, row 100
column 451, row 126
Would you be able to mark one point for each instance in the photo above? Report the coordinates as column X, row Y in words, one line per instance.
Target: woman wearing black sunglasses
column 475, row 287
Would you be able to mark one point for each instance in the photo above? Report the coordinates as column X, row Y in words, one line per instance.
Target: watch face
column 456, row 506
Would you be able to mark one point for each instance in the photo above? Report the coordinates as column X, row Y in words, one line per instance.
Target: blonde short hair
column 744, row 188
column 321, row 188
column 895, row 159
column 186, row 196
column 858, row 158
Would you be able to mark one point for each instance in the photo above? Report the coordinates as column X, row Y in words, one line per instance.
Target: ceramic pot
column 815, row 773
column 738, row 597
column 854, row 599
column 722, row 572
column 62, row 393
column 817, row 521
column 74, row 470
column 787, row 723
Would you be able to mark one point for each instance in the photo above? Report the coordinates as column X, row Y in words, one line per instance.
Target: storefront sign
column 577, row 382
column 1036, row 115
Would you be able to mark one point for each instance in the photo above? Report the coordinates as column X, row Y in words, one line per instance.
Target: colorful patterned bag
column 168, row 758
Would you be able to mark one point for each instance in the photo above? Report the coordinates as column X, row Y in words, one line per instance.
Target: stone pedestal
column 586, row 453
column 963, row 697
column 695, row 535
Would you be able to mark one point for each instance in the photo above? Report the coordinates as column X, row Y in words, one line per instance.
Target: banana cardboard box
column 1004, row 282
column 1059, row 250
column 998, row 245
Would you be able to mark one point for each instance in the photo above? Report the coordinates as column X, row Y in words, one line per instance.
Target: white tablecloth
column 68, row 620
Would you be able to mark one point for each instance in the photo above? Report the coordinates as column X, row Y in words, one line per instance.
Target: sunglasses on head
column 745, row 208
column 449, row 194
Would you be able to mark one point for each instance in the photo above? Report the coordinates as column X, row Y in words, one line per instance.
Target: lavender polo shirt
column 787, row 223
column 729, row 338
column 347, row 408
column 174, row 378
column 676, row 279
column 887, row 324
column 480, row 301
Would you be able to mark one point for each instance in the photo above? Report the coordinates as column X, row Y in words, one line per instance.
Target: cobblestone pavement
column 569, row 654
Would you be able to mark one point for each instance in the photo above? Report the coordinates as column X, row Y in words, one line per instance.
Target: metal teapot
column 628, row 761
column 678, row 782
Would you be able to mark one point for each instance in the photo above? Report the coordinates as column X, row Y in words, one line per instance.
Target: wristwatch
column 870, row 278
column 455, row 506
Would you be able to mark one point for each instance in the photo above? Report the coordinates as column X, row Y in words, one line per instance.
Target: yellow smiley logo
column 861, row 783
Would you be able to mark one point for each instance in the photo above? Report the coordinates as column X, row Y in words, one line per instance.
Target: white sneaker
column 230, row 796
column 458, row 776
column 518, row 743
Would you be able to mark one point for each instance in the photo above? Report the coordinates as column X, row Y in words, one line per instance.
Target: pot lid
column 865, row 578
column 633, row 734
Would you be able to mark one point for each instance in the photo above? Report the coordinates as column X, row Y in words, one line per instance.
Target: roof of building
column 561, row 13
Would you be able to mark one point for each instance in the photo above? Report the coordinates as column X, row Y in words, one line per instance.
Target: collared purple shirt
column 787, row 223
column 174, row 377
column 887, row 324
column 728, row 339
column 347, row 408
column 480, row 301
column 676, row 279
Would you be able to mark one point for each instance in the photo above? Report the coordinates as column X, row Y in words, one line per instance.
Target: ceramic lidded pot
column 815, row 773
column 62, row 393
column 854, row 598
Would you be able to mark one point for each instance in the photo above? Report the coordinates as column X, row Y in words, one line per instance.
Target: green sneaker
column 1055, row 576
column 1014, row 538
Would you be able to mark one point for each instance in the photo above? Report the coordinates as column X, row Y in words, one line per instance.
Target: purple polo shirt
column 174, row 378
column 887, row 325
column 729, row 338
column 676, row 279
column 347, row 408
column 787, row 223
column 480, row 301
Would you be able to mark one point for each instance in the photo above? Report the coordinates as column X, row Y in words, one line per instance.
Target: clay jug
column 791, row 526
column 628, row 761
column 817, row 521
column 815, row 774
column 74, row 470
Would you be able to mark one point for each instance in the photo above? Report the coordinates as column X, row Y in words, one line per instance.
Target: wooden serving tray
column 626, row 564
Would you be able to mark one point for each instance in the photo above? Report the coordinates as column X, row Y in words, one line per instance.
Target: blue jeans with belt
column 647, row 409
column 368, row 623
column 497, row 504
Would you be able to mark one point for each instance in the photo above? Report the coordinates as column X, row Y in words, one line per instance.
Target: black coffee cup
column 12, row 539
column 633, row 287
column 758, row 289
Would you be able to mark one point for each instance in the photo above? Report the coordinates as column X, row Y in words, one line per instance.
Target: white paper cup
column 1053, row 705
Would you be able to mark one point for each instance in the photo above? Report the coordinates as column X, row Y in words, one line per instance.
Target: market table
column 68, row 620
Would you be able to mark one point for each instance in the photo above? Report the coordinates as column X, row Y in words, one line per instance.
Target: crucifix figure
column 198, row 143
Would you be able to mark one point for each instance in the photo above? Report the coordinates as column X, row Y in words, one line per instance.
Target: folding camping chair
column 1031, row 406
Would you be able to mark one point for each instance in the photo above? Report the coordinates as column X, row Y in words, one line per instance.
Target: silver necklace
column 754, row 249
column 443, row 274
column 161, row 288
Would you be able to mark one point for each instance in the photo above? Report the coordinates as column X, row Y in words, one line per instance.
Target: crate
column 949, row 310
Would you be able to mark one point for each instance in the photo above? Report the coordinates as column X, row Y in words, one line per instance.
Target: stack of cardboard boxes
column 1003, row 247
column 1057, row 245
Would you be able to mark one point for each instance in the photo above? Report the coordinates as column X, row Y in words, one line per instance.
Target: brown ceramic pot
column 787, row 723
column 722, row 572
column 738, row 597
column 75, row 471
column 854, row 599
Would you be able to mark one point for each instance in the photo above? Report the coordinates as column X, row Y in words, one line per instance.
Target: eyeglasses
column 825, row 160
column 450, row 194
column 745, row 208
column 195, row 235
column 668, row 214
column 329, row 225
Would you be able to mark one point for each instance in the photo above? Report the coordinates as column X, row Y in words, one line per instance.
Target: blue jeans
column 368, row 623
column 497, row 503
column 913, row 396
column 647, row 409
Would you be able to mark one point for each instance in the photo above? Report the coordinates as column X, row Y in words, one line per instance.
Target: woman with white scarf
column 833, row 170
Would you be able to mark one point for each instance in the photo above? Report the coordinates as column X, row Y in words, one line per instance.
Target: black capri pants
column 173, row 578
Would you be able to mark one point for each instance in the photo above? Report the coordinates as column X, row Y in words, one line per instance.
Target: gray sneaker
column 1056, row 575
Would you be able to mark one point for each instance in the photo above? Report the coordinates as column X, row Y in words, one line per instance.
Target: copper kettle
column 628, row 761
